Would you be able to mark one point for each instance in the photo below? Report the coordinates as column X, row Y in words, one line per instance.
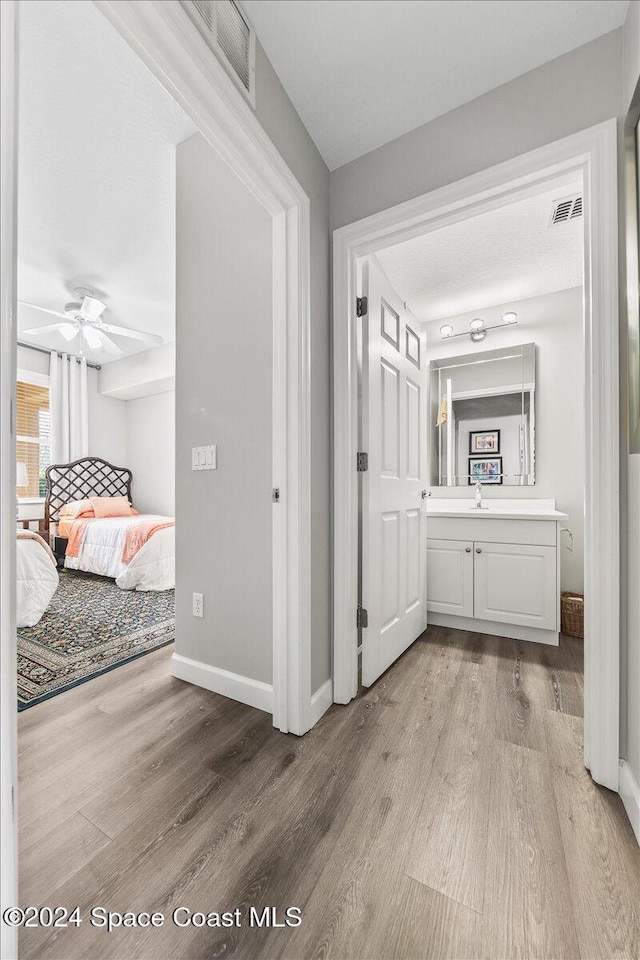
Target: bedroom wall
column 554, row 323
column 107, row 417
column 224, row 396
column 151, row 454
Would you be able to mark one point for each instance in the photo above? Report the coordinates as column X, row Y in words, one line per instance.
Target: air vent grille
column 570, row 208
column 230, row 36
column 234, row 36
column 205, row 9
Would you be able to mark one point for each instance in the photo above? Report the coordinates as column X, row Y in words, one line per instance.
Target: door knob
column 423, row 494
column 478, row 550
column 467, row 549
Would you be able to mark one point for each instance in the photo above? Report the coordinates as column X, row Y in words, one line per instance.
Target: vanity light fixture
column 478, row 328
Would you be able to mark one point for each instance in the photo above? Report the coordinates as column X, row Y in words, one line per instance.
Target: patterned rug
column 90, row 626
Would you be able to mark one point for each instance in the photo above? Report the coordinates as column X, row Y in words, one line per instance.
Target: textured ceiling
column 96, row 203
column 509, row 254
column 362, row 73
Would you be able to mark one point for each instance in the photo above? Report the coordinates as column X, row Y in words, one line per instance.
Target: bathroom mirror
column 482, row 418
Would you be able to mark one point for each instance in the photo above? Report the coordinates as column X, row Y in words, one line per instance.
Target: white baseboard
column 629, row 790
column 232, row 685
column 512, row 630
column 321, row 700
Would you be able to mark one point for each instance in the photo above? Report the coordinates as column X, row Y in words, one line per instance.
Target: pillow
column 111, row 506
column 76, row 508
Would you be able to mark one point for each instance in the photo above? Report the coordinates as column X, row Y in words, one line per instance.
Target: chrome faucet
column 478, row 495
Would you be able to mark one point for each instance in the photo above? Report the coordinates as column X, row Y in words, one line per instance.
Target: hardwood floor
column 444, row 813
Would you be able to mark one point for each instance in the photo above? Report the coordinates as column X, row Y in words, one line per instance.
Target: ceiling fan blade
column 132, row 334
column 50, row 327
column 109, row 345
column 54, row 313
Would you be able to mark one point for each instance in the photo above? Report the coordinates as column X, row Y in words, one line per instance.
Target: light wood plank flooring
column 444, row 813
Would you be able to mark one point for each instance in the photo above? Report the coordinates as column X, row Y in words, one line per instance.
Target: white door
column 450, row 577
column 393, row 512
column 516, row 584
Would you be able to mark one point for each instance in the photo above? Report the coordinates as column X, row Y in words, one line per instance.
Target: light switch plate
column 204, row 458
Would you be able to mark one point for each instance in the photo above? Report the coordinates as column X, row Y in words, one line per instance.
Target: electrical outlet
column 198, row 605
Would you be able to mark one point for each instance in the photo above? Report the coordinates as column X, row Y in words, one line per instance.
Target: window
column 33, row 440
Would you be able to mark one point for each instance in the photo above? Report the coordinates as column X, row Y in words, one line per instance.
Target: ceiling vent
column 224, row 26
column 562, row 211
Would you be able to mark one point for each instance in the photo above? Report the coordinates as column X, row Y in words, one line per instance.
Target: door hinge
column 362, row 305
column 362, row 462
column 362, row 618
column 275, row 494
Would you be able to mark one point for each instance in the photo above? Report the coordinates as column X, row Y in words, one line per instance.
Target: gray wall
column 277, row 115
column 630, row 680
column 224, row 396
column 575, row 91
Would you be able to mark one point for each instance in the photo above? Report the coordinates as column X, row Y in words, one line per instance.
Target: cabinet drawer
column 536, row 532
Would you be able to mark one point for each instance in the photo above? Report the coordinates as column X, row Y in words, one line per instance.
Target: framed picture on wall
column 485, row 469
column 484, row 441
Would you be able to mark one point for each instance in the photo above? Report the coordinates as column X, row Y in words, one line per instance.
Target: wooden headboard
column 87, row 477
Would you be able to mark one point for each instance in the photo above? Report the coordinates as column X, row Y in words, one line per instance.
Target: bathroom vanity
column 496, row 569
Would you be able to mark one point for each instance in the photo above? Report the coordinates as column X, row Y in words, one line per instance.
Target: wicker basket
column 572, row 614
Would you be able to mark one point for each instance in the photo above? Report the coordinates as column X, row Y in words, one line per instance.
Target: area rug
column 91, row 626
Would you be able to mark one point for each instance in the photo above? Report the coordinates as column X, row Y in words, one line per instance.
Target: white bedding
column 152, row 568
column 37, row 581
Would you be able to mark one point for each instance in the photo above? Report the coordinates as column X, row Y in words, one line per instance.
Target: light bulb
column 476, row 324
column 446, row 330
column 509, row 317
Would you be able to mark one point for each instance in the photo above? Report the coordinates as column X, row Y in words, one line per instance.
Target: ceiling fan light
column 446, row 330
column 92, row 308
column 476, row 324
column 92, row 337
column 510, row 317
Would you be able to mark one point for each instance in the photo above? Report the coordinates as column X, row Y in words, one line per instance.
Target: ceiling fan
column 84, row 317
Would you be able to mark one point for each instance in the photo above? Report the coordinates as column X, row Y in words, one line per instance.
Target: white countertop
column 516, row 509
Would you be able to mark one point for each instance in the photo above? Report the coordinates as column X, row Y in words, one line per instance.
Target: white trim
column 8, row 337
column 629, row 790
column 167, row 41
column 592, row 155
column 513, row 630
column 321, row 701
column 227, row 684
column 29, row 376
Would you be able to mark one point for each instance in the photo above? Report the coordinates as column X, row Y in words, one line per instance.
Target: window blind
column 33, row 436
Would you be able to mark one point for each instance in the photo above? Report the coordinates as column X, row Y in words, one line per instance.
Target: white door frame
column 8, row 337
column 593, row 154
column 161, row 34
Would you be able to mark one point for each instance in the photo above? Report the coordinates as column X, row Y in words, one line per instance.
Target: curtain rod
column 71, row 356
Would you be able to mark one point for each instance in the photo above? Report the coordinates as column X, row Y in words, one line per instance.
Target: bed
column 136, row 550
column 36, row 577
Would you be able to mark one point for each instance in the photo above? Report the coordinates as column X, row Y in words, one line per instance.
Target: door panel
column 393, row 516
column 450, row 577
column 516, row 584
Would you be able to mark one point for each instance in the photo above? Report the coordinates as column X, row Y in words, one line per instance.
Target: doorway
column 590, row 156
column 180, row 60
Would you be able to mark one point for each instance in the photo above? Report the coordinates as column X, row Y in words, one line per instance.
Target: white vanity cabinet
column 495, row 571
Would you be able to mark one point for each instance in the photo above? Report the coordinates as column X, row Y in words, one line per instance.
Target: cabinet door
column 450, row 577
column 515, row 583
